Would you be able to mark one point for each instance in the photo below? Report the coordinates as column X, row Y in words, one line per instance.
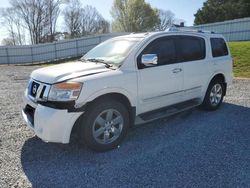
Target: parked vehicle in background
column 127, row 80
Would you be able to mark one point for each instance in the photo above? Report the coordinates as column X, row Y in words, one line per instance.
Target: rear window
column 191, row 48
column 219, row 47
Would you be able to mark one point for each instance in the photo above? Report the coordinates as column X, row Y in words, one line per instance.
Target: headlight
column 65, row 91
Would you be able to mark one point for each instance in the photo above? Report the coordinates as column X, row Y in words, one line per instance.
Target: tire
column 214, row 95
column 104, row 125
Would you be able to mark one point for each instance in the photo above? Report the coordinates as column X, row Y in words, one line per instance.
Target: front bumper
column 49, row 124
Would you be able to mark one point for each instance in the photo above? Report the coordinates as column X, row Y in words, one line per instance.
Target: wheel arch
column 216, row 78
column 115, row 96
column 219, row 76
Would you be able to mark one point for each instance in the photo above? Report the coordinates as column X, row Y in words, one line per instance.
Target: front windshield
column 113, row 51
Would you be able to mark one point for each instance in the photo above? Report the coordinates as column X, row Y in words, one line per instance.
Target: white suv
column 127, row 80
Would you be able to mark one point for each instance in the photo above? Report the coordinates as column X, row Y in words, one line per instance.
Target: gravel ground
column 192, row 149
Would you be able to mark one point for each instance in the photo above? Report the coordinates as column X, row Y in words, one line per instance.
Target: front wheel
column 105, row 125
column 214, row 95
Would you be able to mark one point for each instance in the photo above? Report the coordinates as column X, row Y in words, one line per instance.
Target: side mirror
column 149, row 59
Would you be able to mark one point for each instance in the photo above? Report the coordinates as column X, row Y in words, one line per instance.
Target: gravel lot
column 192, row 149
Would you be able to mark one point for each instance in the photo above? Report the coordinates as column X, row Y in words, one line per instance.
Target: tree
column 92, row 21
column 13, row 25
column 83, row 21
column 134, row 16
column 104, row 26
column 244, row 8
column 52, row 8
column 221, row 10
column 32, row 13
column 72, row 18
column 167, row 19
column 39, row 17
column 8, row 42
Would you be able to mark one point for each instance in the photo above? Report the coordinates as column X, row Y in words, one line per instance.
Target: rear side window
column 219, row 47
column 191, row 48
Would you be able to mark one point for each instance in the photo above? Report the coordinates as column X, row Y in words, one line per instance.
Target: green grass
column 241, row 54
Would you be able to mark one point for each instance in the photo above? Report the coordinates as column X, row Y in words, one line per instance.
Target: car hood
column 67, row 71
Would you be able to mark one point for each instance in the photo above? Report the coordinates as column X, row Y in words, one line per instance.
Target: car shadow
column 189, row 149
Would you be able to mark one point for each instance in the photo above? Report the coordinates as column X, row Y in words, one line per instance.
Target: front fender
column 110, row 90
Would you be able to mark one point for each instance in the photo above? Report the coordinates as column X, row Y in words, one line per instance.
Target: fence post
column 77, row 48
column 55, row 50
column 100, row 39
column 7, row 54
column 31, row 51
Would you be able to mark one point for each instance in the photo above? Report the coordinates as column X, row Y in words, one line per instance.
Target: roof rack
column 175, row 29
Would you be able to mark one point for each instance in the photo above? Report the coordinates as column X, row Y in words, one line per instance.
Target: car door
column 160, row 85
column 192, row 53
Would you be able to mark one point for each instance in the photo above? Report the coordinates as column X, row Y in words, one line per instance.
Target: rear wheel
column 214, row 95
column 105, row 125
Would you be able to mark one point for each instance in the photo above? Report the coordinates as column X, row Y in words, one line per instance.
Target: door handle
column 177, row 70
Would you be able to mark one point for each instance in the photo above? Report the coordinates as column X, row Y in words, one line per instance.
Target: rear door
column 192, row 53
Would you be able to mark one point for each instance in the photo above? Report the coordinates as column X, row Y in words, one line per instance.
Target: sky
column 183, row 9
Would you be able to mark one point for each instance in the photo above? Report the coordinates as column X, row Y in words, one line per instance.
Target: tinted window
column 164, row 48
column 191, row 48
column 219, row 47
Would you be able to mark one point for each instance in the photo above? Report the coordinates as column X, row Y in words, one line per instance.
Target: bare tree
column 32, row 14
column 8, row 42
column 13, row 24
column 72, row 18
column 38, row 16
column 83, row 21
column 104, row 26
column 92, row 21
column 52, row 8
column 167, row 19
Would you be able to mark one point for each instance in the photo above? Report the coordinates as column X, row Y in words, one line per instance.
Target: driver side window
column 164, row 48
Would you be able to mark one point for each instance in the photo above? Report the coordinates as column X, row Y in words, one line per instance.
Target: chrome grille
column 33, row 89
column 38, row 91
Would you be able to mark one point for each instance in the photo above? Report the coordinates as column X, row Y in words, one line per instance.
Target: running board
column 166, row 111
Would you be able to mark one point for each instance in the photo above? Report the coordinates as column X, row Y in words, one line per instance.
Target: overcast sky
column 183, row 9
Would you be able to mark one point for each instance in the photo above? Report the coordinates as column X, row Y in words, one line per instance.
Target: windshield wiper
column 95, row 60
column 82, row 60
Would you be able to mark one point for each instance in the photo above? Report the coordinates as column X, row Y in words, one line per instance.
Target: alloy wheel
column 216, row 94
column 107, row 126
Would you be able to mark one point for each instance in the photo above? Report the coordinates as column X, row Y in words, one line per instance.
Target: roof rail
column 204, row 31
column 146, row 33
column 186, row 29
